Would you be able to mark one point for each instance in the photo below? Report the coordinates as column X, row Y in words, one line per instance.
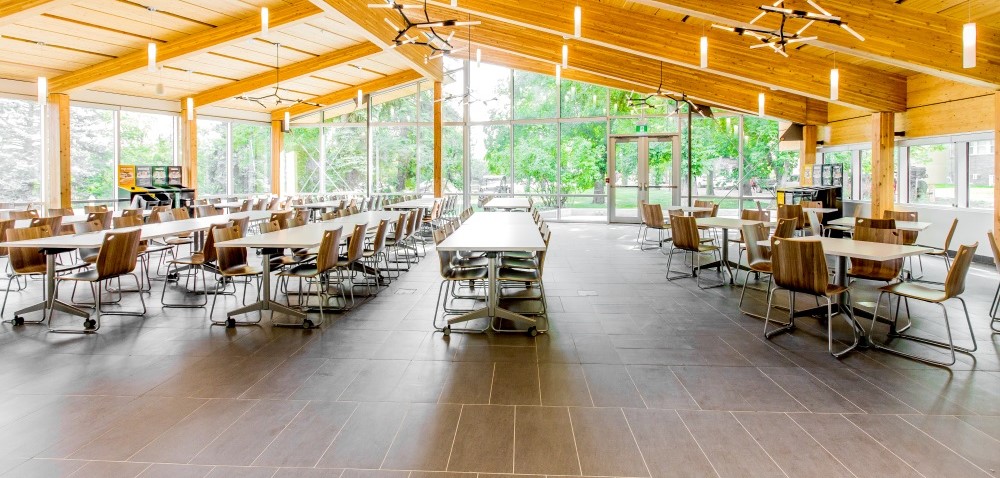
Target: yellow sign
column 126, row 177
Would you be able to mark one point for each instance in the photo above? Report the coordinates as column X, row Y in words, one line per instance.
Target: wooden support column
column 438, row 145
column 61, row 107
column 883, row 167
column 189, row 148
column 996, row 165
column 807, row 154
column 277, row 146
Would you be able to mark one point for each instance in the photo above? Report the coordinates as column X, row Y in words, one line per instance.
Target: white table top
column 481, row 232
column 413, row 204
column 875, row 251
column 820, row 210
column 319, row 205
column 310, row 235
column 149, row 231
column 690, row 209
column 228, row 205
column 67, row 220
column 508, row 203
column 915, row 226
column 725, row 222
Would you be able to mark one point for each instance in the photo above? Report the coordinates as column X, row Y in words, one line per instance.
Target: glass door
column 642, row 168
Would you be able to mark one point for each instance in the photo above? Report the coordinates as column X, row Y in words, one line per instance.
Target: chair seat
column 472, row 261
column 517, row 263
column 863, row 273
column 916, row 291
column 302, row 270
column 89, row 258
column 762, row 266
column 284, row 260
column 518, row 275
column 834, row 289
column 179, row 241
column 519, row 254
column 82, row 276
column 937, row 252
column 195, row 259
column 242, row 270
column 463, row 274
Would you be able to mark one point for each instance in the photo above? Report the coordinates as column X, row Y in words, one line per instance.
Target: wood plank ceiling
column 212, row 49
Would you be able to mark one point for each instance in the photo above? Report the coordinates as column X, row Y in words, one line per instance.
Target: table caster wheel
column 230, row 323
column 17, row 321
column 533, row 331
column 89, row 324
column 307, row 324
column 446, row 331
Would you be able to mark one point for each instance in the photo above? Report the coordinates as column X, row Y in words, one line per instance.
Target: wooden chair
column 529, row 273
column 282, row 218
column 799, row 266
column 90, row 209
column 25, row 262
column 751, row 215
column 206, row 210
column 53, row 223
column 245, row 205
column 686, row 239
column 786, row 228
column 874, row 223
column 197, row 262
column 954, row 286
column 941, row 252
column 317, row 273
column 813, row 205
column 653, row 217
column 232, row 264
column 22, row 215
column 132, row 212
column 814, row 224
column 6, row 225
column 103, row 217
column 792, row 211
column 60, row 211
column 758, row 257
column 88, row 256
column 117, row 257
column 154, row 214
column 374, row 254
column 355, row 251
column 884, row 271
column 995, row 308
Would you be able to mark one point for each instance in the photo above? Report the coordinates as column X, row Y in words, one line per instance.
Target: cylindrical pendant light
column 577, row 21
column 265, row 20
column 190, row 108
column 479, row 57
column 704, row 52
column 565, row 56
column 288, row 122
column 151, row 56
column 760, row 104
column 834, row 84
column 454, row 3
column 361, row 98
column 43, row 90
column 558, row 73
column 969, row 45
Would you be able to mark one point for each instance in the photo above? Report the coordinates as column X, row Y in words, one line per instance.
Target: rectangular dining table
column 494, row 233
column 425, row 203
column 725, row 223
column 508, row 204
column 54, row 245
column 915, row 226
column 302, row 237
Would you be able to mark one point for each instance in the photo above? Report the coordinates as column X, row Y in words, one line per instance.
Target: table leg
column 492, row 309
column 49, row 302
column 725, row 255
column 266, row 303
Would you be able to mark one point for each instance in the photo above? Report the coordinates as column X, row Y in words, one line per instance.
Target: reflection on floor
column 639, row 377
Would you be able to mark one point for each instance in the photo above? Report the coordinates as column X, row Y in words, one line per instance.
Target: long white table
column 69, row 220
column 303, row 237
column 725, row 223
column 508, row 204
column 55, row 245
column 425, row 203
column 844, row 249
column 494, row 233
column 915, row 226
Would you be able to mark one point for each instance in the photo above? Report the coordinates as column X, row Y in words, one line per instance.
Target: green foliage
column 20, row 151
column 92, row 153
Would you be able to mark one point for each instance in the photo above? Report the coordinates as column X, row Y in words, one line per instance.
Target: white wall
column 972, row 224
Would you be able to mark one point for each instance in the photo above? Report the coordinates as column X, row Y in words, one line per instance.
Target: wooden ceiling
column 213, row 50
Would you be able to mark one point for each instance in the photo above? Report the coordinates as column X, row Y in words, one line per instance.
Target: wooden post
column 883, row 167
column 438, row 145
column 807, row 154
column 61, row 102
column 277, row 146
column 996, row 165
column 189, row 148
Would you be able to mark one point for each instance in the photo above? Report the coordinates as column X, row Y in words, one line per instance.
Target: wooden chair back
column 206, row 210
column 282, row 218
column 399, row 229
column 60, row 211
column 24, row 260
column 118, row 255
column 996, row 250
column 273, row 204
column 378, row 242
column 90, row 209
column 208, row 251
column 642, row 211
column 29, row 214
column 954, row 283
column 228, row 257
column 127, row 221
column 356, row 244
column 326, row 258
column 53, row 223
column 411, row 222
column 799, row 265
column 259, row 204
column 909, row 237
column 328, row 216
column 753, row 236
column 874, row 223
column 654, row 216
column 245, row 206
column 155, row 214
column 302, row 216
column 243, row 223
column 877, row 270
column 103, row 217
column 792, row 211
column 270, row 226
column 132, row 212
column 685, row 233
column 702, row 203
column 181, row 213
column 755, row 215
column 951, row 235
column 5, row 225
column 786, row 227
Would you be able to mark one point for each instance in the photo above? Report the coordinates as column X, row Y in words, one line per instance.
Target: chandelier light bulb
column 190, row 109
column 834, row 84
column 558, row 73
column 361, row 98
column 479, row 57
column 760, row 104
column 565, row 56
column 288, row 121
column 704, row 52
column 43, row 90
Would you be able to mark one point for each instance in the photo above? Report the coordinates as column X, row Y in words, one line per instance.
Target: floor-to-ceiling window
column 982, row 175
column 20, row 151
column 213, row 157
column 250, row 172
column 92, row 154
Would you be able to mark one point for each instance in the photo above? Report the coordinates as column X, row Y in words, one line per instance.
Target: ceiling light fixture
column 287, row 124
column 43, row 90
column 760, row 104
column 969, row 42
column 834, row 81
column 276, row 95
column 577, row 21
column 440, row 46
column 190, row 108
column 565, row 56
column 265, row 20
column 644, row 102
column 479, row 57
column 361, row 98
column 704, row 52
column 778, row 40
column 151, row 46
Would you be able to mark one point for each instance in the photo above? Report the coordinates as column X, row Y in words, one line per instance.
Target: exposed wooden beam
column 894, row 35
column 277, row 147
column 805, row 75
column 714, row 89
column 375, row 30
column 13, row 11
column 288, row 72
column 189, row 148
column 346, row 94
column 996, row 165
column 883, row 164
column 190, row 45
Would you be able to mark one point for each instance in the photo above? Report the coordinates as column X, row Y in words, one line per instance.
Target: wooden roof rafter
column 288, row 72
column 12, row 11
column 806, row 75
column 894, row 35
column 194, row 44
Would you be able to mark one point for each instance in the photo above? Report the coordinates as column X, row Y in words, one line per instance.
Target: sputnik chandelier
column 427, row 35
column 276, row 96
column 645, row 102
column 778, row 40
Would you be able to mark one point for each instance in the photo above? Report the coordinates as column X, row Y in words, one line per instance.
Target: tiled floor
column 638, row 377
